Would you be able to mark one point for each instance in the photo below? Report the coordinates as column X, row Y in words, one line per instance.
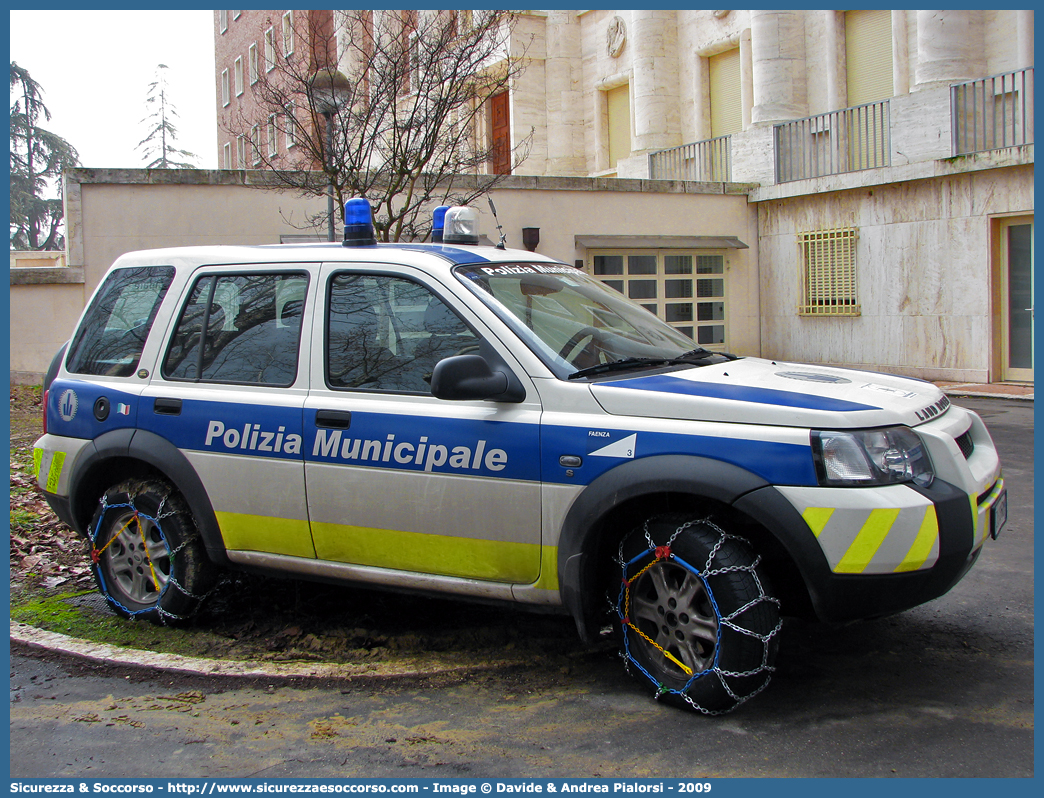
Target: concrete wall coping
column 46, row 275
column 261, row 179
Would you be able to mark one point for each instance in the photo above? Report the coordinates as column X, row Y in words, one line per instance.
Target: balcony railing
column 992, row 113
column 848, row 140
column 707, row 161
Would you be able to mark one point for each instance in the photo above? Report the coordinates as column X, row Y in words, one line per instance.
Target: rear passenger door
column 229, row 391
column 398, row 479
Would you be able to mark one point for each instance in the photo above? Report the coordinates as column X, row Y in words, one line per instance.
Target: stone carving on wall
column 615, row 37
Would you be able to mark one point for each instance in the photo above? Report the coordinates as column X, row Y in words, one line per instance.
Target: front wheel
column 695, row 615
column 146, row 553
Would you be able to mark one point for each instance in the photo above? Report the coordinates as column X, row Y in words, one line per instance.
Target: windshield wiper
column 702, row 354
column 619, row 365
column 686, row 358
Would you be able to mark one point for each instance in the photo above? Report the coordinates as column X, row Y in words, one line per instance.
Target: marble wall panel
column 923, row 261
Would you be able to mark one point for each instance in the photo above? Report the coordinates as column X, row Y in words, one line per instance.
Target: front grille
column 966, row 444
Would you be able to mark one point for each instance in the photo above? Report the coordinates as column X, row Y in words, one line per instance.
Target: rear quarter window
column 112, row 334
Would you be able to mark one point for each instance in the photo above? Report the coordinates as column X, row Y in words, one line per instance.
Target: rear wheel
column 146, row 553
column 695, row 616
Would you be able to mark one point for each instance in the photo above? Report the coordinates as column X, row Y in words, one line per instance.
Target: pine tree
column 38, row 158
column 158, row 147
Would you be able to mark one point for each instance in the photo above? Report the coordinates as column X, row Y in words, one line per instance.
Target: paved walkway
column 993, row 390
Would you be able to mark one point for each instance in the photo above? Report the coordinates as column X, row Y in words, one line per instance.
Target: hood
column 756, row 391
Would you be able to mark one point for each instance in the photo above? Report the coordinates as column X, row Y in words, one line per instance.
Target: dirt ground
column 255, row 617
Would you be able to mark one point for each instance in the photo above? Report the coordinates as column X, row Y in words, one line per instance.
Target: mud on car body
column 489, row 423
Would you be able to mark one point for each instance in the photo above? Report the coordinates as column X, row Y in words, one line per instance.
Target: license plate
column 999, row 514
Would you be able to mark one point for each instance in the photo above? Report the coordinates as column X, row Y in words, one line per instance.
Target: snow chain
column 662, row 553
column 97, row 551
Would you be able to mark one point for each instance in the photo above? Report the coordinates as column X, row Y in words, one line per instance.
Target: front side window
column 241, row 328
column 112, row 335
column 574, row 322
column 387, row 333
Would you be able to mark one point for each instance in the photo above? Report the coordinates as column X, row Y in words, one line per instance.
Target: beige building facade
column 891, row 153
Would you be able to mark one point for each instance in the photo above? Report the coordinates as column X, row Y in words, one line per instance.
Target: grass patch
column 59, row 613
column 22, row 520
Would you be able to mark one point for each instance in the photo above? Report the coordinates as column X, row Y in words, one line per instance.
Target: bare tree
column 397, row 115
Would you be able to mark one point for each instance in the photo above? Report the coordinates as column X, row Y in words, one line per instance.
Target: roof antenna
column 493, row 208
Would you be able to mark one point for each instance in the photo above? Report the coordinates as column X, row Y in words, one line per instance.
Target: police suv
column 488, row 423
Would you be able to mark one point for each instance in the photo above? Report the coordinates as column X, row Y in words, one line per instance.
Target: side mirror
column 464, row 377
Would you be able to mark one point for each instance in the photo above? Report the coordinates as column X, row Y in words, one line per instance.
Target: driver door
column 396, row 478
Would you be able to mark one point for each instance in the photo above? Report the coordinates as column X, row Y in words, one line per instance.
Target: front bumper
column 888, row 550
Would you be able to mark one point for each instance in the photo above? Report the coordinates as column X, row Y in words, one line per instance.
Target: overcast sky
column 95, row 68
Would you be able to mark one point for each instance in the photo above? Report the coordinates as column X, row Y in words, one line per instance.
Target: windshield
column 575, row 323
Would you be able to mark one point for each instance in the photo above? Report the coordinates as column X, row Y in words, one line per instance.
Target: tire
column 694, row 614
column 147, row 555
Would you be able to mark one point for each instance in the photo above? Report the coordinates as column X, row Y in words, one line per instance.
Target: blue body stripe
column 778, row 463
column 664, row 383
column 491, row 449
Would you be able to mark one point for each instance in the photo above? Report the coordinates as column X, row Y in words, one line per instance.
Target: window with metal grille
column 828, row 273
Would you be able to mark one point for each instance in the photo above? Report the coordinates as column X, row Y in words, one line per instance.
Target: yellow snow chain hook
column 662, row 553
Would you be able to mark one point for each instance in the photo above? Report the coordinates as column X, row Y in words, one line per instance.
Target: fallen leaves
column 42, row 548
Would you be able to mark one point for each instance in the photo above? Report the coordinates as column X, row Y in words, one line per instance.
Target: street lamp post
column 330, row 90
column 328, row 115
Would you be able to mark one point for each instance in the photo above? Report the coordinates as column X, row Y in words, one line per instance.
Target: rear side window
column 239, row 328
column 113, row 332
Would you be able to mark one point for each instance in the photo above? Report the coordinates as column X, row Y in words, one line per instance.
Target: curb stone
column 102, row 653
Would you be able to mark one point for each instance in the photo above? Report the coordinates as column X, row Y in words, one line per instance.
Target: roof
column 417, row 254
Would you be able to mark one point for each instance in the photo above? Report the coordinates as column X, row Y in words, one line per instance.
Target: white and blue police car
column 488, row 423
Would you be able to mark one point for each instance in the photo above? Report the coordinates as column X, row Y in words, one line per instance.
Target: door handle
column 333, row 419
column 167, row 407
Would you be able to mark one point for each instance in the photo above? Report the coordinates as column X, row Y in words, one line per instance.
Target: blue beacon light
column 438, row 223
column 358, row 223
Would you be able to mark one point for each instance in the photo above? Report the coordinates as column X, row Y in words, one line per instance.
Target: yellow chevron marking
column 817, row 517
column 981, row 512
column 54, row 473
column 923, row 543
column 976, row 539
column 868, row 541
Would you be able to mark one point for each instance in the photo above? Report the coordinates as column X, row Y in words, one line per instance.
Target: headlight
column 887, row 456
